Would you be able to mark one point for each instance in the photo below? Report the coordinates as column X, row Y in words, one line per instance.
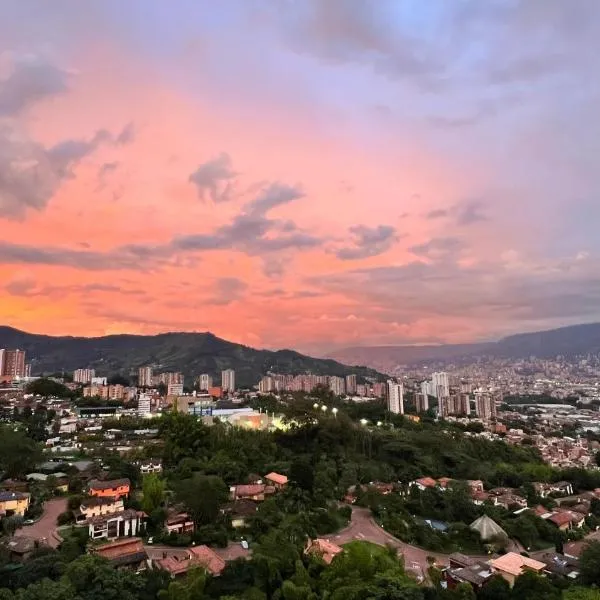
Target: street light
column 323, row 408
column 363, row 421
column 334, row 411
column 379, row 423
column 315, row 406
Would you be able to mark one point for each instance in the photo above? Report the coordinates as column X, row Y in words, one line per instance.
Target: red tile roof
column 427, row 482
column 250, row 489
column 120, row 548
column 208, row 559
column 277, row 478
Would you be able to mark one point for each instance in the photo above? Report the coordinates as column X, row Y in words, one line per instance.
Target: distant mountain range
column 566, row 341
column 190, row 353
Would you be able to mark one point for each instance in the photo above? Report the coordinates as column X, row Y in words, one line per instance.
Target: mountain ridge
column 189, row 352
column 567, row 341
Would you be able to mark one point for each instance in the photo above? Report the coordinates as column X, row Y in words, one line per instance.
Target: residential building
column 178, row 522
column 422, row 402
column 205, row 382
column 150, row 466
column 127, row 553
column 13, row 503
column 485, row 406
column 239, row 511
column 95, row 506
column 99, row 380
column 83, row 375
column 277, row 480
column 121, row 524
column 266, row 384
column 112, row 488
column 144, row 406
column 13, row 363
column 337, row 385
column 2, row 352
column 145, row 377
column 175, row 389
column 350, row 384
column 228, row 380
column 511, row 565
column 395, row 397
column 168, row 378
column 440, row 385
column 250, row 491
column 198, row 556
column 324, row 549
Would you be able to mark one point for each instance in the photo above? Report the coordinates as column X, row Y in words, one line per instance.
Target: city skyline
column 410, row 174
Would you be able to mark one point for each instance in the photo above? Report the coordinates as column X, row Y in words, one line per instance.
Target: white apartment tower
column 83, row 375
column 440, row 385
column 395, row 397
column 144, row 407
column 205, row 381
column 337, row 385
column 228, row 380
column 350, row 385
column 145, row 377
column 422, row 402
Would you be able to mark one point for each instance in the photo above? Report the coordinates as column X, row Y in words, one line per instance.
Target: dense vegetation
column 190, row 353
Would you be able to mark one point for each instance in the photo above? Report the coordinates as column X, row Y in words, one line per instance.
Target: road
column 45, row 529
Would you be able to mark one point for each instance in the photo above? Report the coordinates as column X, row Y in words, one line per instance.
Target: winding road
column 44, row 530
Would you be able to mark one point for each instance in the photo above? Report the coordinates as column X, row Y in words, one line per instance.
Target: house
column 179, row 522
column 13, row 503
column 277, row 480
column 464, row 569
column 114, row 488
column 488, row 529
column 239, row 511
column 322, row 548
column 444, row 482
column 511, row 565
column 60, row 480
column 383, row 488
column 424, row 483
column 566, row 519
column 150, row 466
column 251, row 491
column 475, row 485
column 198, row 556
column 560, row 565
column 128, row 553
column 122, row 524
column 564, row 488
column 575, row 549
column 20, row 548
column 95, row 507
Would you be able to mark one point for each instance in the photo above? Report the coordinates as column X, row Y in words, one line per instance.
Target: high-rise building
column 266, row 384
column 228, row 380
column 440, row 385
column 83, row 375
column 350, row 384
column 2, row 351
column 427, row 388
column 395, row 397
column 464, row 404
column 144, row 406
column 14, row 363
column 379, row 389
column 205, row 381
column 422, row 402
column 443, row 408
column 337, row 385
column 145, row 377
column 485, row 406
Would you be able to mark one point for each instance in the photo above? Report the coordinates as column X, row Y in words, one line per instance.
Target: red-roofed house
column 424, row 483
column 250, row 491
column 279, row 481
column 199, row 556
column 323, row 548
column 128, row 553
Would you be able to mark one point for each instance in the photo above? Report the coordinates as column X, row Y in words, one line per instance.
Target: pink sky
column 158, row 175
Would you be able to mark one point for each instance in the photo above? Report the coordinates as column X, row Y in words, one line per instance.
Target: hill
column 566, row 341
column 190, row 353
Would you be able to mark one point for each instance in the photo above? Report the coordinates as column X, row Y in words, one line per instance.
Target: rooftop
column 277, row 478
column 109, row 484
column 515, row 564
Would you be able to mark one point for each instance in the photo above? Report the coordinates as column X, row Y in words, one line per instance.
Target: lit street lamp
column 334, row 411
column 324, row 408
column 379, row 423
column 363, row 421
column 315, row 405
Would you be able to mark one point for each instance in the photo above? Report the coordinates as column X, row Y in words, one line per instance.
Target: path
column 44, row 530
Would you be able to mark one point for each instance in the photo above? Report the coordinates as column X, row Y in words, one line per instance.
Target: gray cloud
column 439, row 248
column 437, row 214
column 275, row 194
column 368, row 241
column 228, row 290
column 30, row 174
column 215, row 179
column 470, row 212
column 126, row 136
column 30, row 81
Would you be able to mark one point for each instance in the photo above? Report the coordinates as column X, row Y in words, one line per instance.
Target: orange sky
column 160, row 175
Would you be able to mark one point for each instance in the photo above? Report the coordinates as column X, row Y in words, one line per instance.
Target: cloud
column 368, row 242
column 469, row 213
column 126, row 136
column 31, row 80
column 275, row 194
column 228, row 290
column 31, row 174
column 215, row 179
column 437, row 249
column 437, row 213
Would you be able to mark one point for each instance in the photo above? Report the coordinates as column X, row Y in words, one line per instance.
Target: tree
column 589, row 564
column 153, row 488
column 497, row 588
column 302, row 474
column 48, row 388
column 581, row 593
column 202, row 496
column 531, row 586
column 19, row 454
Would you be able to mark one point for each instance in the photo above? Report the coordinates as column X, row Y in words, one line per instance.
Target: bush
column 65, row 518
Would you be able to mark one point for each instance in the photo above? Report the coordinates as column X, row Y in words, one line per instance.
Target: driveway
column 44, row 530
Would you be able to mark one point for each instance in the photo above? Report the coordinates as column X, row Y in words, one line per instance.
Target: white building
column 99, row 380
column 175, row 389
column 145, row 377
column 84, row 375
column 440, row 385
column 266, row 384
column 228, row 380
column 422, row 402
column 395, row 397
column 144, row 406
column 337, row 385
column 351, row 384
column 427, row 388
column 205, row 382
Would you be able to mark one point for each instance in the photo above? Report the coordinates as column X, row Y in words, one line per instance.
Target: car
column 244, row 544
column 150, row 540
column 28, row 522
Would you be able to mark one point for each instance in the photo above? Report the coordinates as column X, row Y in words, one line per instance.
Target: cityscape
column 299, row 300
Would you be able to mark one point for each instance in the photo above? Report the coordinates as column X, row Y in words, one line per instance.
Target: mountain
column 190, row 353
column 566, row 341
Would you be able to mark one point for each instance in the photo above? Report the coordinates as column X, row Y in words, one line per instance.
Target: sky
column 310, row 174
